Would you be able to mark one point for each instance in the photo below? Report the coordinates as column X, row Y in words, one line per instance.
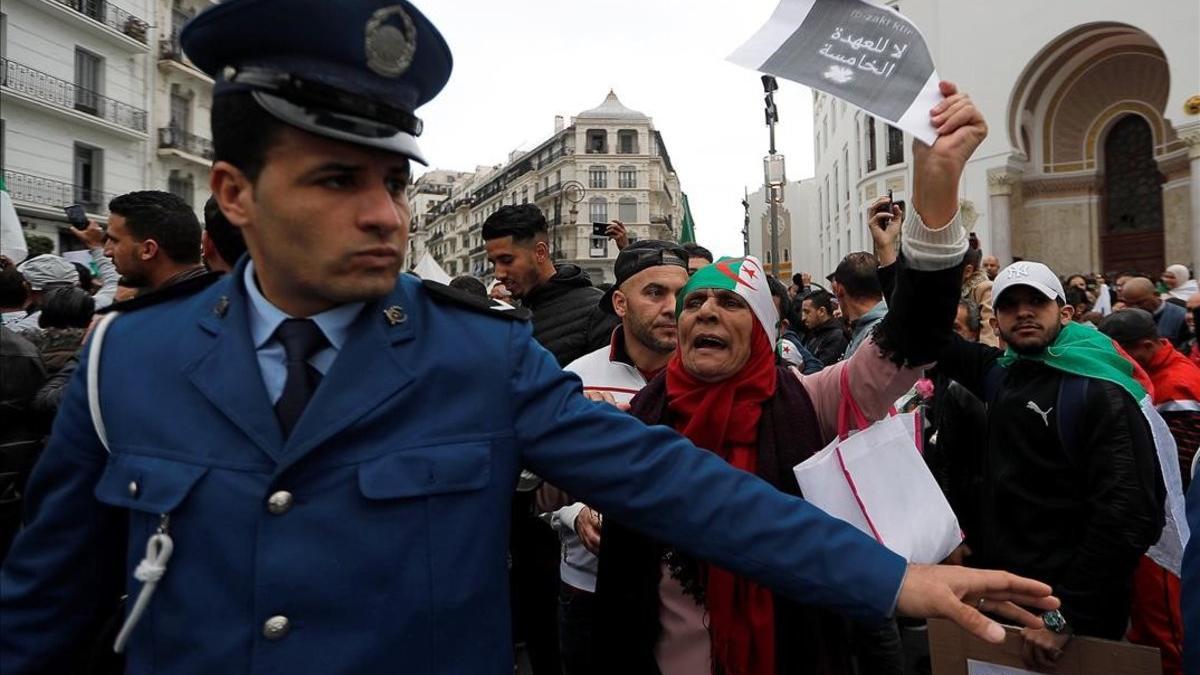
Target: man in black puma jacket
column 1074, row 505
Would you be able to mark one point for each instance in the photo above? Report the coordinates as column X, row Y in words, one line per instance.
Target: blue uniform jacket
column 392, row 557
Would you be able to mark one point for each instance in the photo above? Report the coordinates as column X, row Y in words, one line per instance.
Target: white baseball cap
column 1032, row 274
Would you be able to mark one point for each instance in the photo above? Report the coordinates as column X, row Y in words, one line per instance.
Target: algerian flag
column 1083, row 351
column 12, row 237
column 745, row 277
column 687, row 233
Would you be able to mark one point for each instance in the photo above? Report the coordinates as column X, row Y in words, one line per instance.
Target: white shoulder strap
column 93, row 377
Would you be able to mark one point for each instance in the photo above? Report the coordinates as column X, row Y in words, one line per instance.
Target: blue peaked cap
column 351, row 70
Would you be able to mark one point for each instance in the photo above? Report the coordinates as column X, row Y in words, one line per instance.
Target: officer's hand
column 587, row 527
column 959, row 593
column 1041, row 647
column 92, row 237
column 616, row 231
column 600, row 396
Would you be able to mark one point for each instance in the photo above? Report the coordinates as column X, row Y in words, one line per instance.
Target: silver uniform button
column 276, row 627
column 280, row 502
column 133, row 488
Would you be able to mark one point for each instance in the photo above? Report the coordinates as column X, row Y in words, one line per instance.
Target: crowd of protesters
column 1075, row 498
column 1034, row 427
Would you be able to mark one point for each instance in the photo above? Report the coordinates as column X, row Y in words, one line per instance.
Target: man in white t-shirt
column 649, row 275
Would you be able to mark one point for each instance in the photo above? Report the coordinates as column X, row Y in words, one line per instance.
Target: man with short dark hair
column 859, row 294
column 649, row 274
column 790, row 348
column 153, row 238
column 968, row 323
column 1171, row 319
column 977, row 288
column 826, row 339
column 566, row 316
column 698, row 256
column 222, row 243
column 1176, row 379
column 14, row 295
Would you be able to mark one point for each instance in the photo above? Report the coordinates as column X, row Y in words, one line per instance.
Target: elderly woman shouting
column 659, row 611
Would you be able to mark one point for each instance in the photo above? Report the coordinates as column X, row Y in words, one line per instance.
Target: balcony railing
column 23, row 187
column 475, row 250
column 48, row 89
column 178, row 139
column 112, row 16
column 546, row 192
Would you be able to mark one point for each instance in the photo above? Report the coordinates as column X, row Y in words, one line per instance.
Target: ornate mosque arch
column 1089, row 81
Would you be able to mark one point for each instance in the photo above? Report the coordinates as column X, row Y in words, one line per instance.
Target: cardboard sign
column 954, row 651
column 866, row 54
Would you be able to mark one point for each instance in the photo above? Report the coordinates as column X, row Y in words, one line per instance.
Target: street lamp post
column 572, row 190
column 773, row 169
column 746, row 221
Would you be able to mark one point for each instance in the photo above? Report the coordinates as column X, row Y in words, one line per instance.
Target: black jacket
column 827, row 342
column 1078, row 518
column 567, row 319
column 21, row 440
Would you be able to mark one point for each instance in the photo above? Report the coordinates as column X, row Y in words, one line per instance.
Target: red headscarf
column 723, row 417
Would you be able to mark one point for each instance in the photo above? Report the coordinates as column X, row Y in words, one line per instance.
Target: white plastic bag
column 877, row 481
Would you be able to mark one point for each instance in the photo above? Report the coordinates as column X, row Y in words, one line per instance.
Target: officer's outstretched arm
column 655, row 481
column 63, row 573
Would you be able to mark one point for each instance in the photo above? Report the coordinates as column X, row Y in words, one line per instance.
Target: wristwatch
column 1055, row 622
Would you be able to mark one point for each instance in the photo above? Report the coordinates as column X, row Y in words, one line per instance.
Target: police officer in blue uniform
column 306, row 466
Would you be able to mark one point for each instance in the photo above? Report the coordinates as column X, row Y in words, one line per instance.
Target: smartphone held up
column 76, row 216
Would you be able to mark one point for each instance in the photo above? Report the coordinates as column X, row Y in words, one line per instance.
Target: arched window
column 786, row 256
column 1132, row 181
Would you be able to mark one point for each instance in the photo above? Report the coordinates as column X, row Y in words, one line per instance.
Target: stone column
column 1192, row 138
column 1000, row 213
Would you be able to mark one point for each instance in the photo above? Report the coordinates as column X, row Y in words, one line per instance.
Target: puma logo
column 1045, row 415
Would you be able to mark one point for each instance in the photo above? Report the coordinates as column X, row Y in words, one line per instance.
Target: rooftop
column 611, row 109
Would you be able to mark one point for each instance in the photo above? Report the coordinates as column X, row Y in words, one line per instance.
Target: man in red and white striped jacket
column 649, row 275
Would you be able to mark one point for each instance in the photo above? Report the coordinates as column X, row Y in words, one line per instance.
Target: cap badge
column 390, row 47
column 394, row 315
column 1018, row 270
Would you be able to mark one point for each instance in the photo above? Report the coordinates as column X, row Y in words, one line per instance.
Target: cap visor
column 1046, row 290
column 310, row 120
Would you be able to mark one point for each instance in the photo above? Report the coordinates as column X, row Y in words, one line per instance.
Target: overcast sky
column 519, row 63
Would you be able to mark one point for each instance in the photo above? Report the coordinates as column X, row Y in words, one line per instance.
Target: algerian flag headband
column 744, row 276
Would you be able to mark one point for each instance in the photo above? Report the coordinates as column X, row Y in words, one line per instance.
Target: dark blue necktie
column 301, row 339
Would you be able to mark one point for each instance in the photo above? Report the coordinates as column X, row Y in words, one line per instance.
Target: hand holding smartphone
column 76, row 216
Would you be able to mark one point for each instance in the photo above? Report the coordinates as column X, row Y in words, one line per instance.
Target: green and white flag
column 1087, row 352
column 12, row 238
column 744, row 276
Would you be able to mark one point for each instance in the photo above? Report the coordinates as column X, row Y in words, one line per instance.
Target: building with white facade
column 797, row 253
column 73, row 106
column 430, row 189
column 1092, row 162
column 607, row 163
column 180, row 107
column 96, row 100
